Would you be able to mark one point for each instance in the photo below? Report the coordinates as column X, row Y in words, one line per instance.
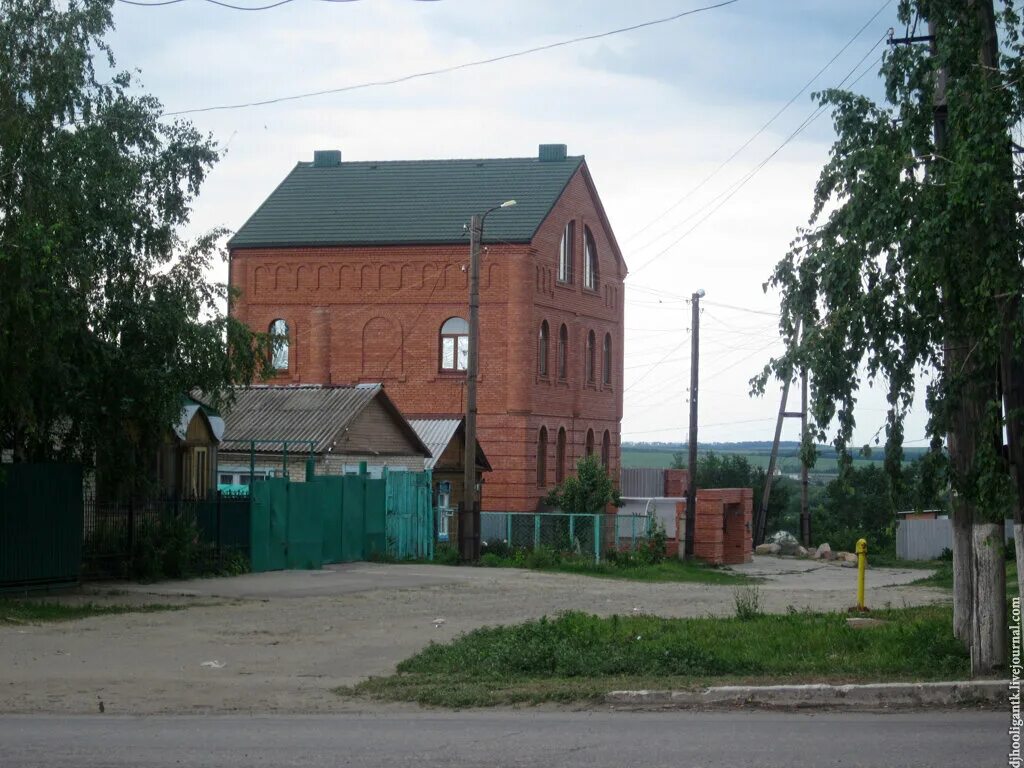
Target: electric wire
column 758, row 132
column 453, row 68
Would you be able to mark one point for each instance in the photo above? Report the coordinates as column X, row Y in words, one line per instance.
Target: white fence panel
column 925, row 539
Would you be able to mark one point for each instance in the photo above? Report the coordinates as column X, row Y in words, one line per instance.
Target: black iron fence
column 165, row 537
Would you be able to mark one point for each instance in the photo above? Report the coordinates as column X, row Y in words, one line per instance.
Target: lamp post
column 469, row 513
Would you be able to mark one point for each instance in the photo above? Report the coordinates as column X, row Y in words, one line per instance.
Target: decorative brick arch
column 409, row 272
column 264, row 280
column 284, row 279
column 369, row 278
column 347, row 277
column 325, row 278
column 381, row 348
column 390, row 279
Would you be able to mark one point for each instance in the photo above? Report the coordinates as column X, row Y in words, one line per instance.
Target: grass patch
column 667, row 570
column 579, row 656
column 30, row 611
column 943, row 577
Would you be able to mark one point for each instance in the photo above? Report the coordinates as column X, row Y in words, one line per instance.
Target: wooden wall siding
column 375, row 432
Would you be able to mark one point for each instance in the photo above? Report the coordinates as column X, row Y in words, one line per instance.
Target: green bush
column 491, row 560
column 541, row 558
column 748, row 603
column 497, row 547
column 171, row 548
column 446, row 554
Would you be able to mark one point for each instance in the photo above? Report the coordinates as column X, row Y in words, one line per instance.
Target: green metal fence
column 40, row 525
column 339, row 519
column 584, row 535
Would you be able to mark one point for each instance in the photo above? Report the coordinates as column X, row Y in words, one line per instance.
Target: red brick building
column 363, row 267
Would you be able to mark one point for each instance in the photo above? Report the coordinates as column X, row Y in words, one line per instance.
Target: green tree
column 912, row 262
column 587, row 492
column 732, row 470
column 107, row 315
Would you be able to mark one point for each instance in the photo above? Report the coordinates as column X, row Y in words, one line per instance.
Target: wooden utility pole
column 805, row 511
column 691, row 463
column 469, row 511
column 761, row 519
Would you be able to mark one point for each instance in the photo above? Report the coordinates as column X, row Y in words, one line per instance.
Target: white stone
column 768, row 549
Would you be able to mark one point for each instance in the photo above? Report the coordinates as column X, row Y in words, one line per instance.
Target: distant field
column 788, row 464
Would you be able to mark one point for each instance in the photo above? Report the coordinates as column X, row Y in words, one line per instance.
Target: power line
column 757, row 133
column 718, row 424
column 453, row 68
column 723, row 197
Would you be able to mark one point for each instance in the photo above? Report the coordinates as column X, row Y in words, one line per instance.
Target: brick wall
column 368, row 314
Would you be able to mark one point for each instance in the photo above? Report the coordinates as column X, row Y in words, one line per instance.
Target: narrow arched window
column 565, row 253
column 606, row 449
column 542, row 349
column 589, row 358
column 560, row 456
column 589, row 260
column 606, row 375
column 590, row 442
column 454, row 347
column 280, row 342
column 563, row 352
column 542, row 457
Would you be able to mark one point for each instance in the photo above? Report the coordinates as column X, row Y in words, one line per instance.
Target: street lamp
column 469, row 516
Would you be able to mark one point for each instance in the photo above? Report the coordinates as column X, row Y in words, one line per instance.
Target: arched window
column 565, row 253
column 542, row 349
column 563, row 351
column 589, row 260
column 606, row 449
column 560, row 456
column 589, row 358
column 590, row 442
column 454, row 345
column 542, row 457
column 279, row 356
column 606, row 374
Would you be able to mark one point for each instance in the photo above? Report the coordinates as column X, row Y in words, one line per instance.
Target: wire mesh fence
column 163, row 536
column 588, row 536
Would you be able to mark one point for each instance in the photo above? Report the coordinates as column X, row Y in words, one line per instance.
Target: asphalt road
column 511, row 738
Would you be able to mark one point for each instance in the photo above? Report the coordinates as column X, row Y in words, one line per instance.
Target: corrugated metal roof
column 436, row 434
column 295, row 412
column 406, row 201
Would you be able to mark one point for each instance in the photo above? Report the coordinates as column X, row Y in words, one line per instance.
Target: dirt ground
column 280, row 642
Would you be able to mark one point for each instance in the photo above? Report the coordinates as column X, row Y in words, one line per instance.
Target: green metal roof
column 406, row 202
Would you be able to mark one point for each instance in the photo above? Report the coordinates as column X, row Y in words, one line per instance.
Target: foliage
column 171, row 548
column 733, row 470
column 587, row 492
column 748, row 603
column 108, row 315
column 912, row 257
column 579, row 656
column 446, row 554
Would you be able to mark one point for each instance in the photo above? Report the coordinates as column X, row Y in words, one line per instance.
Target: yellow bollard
column 862, row 564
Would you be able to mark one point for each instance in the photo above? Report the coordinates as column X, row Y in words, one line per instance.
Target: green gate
column 327, row 519
column 40, row 525
column 410, row 515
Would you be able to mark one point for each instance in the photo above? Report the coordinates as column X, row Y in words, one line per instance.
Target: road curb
column 871, row 696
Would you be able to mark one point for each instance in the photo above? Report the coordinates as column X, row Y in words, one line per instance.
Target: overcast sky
column 655, row 111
